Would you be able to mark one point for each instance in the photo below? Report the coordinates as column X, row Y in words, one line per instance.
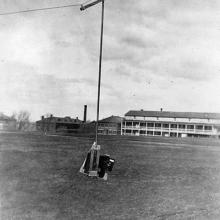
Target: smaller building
column 58, row 124
column 7, row 123
column 88, row 128
column 110, row 125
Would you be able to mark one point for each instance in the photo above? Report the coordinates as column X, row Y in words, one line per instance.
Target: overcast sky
column 156, row 54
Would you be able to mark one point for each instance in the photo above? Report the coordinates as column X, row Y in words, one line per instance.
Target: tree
column 23, row 120
column 14, row 116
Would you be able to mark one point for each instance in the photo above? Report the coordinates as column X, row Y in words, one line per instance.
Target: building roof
column 5, row 117
column 66, row 119
column 168, row 114
column 112, row 119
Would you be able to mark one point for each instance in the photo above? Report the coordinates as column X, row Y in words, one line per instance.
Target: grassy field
column 153, row 178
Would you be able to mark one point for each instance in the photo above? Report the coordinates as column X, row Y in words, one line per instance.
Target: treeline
column 22, row 120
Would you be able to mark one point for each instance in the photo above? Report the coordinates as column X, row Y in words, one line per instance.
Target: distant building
column 58, row 124
column 110, row 125
column 7, row 123
column 61, row 124
column 171, row 124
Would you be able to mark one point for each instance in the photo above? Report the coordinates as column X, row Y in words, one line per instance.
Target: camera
column 105, row 164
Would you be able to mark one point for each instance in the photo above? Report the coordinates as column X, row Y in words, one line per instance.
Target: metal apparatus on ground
column 96, row 165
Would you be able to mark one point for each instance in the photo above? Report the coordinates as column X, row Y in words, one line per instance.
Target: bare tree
column 23, row 120
column 14, row 116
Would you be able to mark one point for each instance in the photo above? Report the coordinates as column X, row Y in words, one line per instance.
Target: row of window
column 109, row 132
column 153, row 133
column 165, row 118
column 107, row 125
column 160, row 125
column 66, row 120
column 156, row 133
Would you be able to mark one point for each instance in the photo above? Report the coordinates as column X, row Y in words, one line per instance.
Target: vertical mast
column 100, row 71
column 100, row 62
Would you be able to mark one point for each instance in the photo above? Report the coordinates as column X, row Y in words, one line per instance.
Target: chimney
column 161, row 109
column 42, row 117
column 85, row 113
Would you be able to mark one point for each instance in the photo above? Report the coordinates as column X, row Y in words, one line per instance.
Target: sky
column 156, row 54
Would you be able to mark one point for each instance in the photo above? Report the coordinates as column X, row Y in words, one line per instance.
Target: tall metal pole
column 83, row 7
column 100, row 71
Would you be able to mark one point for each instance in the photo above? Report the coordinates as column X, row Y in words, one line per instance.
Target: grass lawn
column 153, row 178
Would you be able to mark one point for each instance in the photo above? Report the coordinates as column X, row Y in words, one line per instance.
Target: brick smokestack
column 85, row 113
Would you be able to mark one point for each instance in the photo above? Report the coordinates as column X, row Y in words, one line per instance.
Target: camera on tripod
column 106, row 163
column 96, row 165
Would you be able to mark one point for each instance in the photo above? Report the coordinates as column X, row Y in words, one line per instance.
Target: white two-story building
column 171, row 124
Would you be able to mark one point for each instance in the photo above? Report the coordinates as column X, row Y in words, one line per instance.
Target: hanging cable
column 43, row 9
column 40, row 9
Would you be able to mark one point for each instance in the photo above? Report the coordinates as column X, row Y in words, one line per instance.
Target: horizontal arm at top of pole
column 83, row 7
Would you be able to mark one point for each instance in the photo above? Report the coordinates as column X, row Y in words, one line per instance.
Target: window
column 135, row 132
column 172, row 134
column 199, row 127
column 165, row 125
column 150, row 133
column 150, row 125
column 128, row 123
column 157, row 133
column 190, row 127
column 128, row 131
column 173, row 125
column 142, row 124
column 100, row 131
column 135, row 123
column 208, row 128
column 165, row 134
column 142, row 132
column 158, row 125
column 182, row 126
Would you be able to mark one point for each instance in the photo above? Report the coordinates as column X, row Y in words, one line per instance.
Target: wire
column 39, row 9
column 43, row 9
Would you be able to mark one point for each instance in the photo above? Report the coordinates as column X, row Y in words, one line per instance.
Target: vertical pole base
column 91, row 164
